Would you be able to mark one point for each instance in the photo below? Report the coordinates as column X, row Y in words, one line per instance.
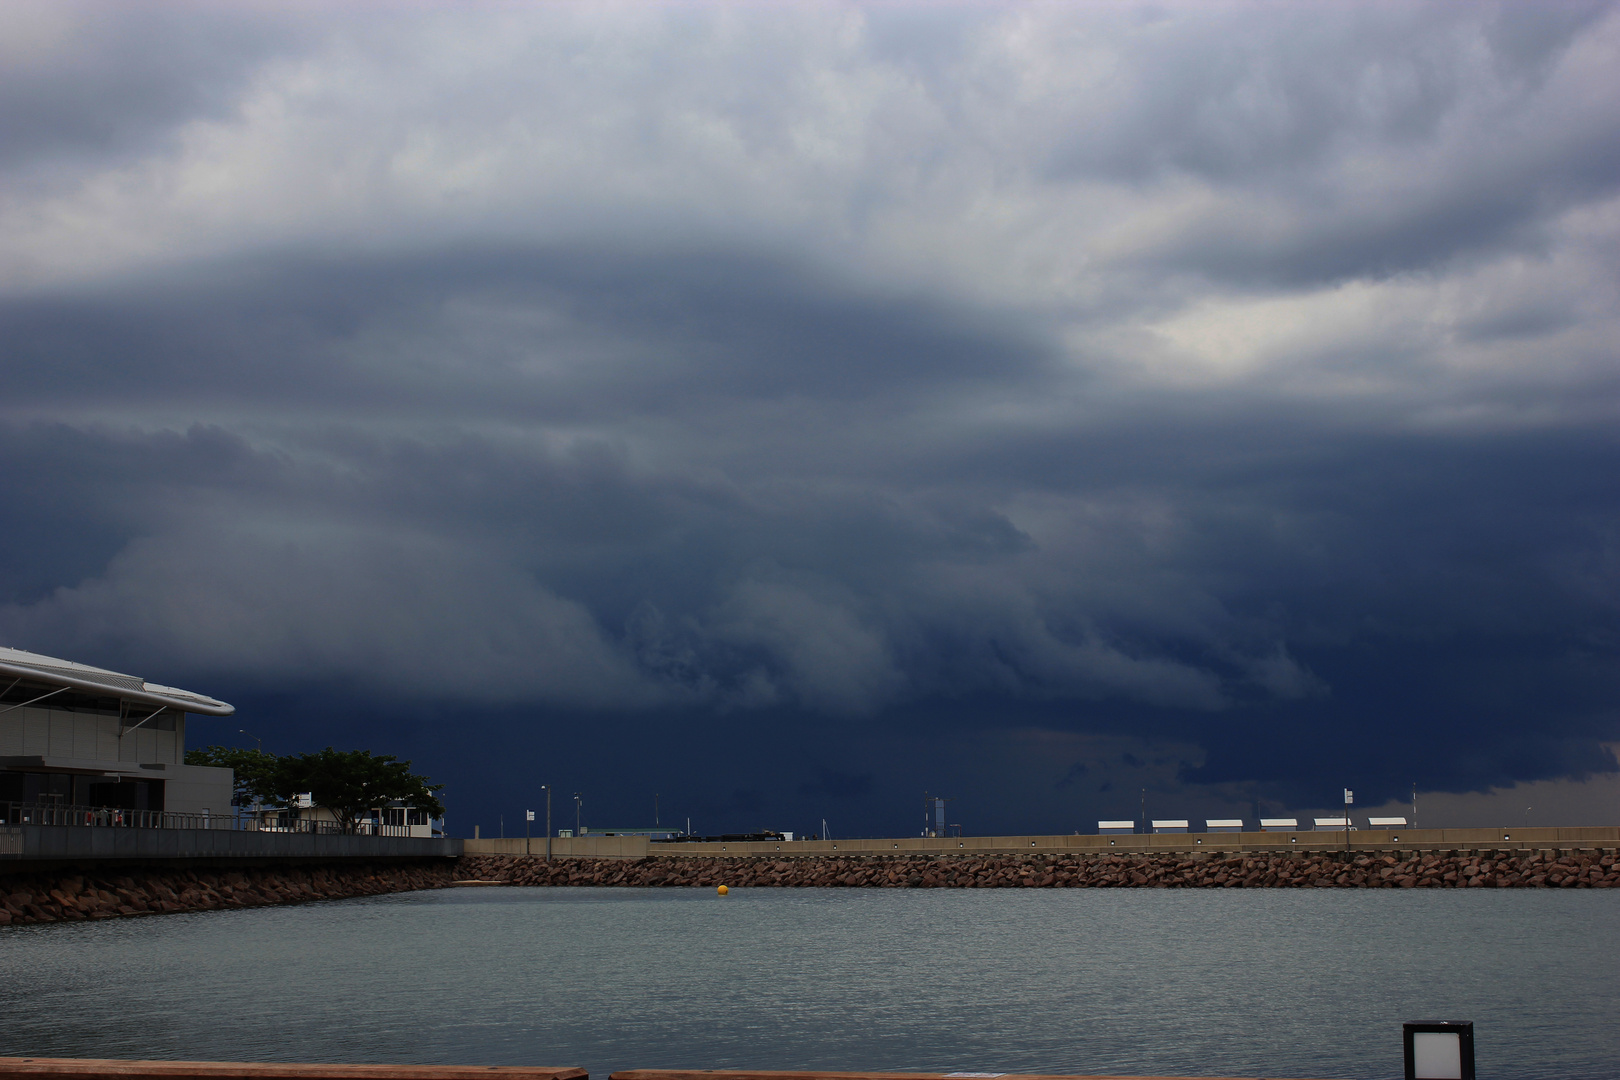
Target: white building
column 72, row 735
column 395, row 819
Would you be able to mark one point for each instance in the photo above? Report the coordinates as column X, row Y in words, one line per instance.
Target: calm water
column 1197, row 982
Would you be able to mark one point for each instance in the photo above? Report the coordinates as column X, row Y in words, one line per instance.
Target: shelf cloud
column 793, row 406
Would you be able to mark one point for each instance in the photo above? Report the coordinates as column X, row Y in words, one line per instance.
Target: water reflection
column 1196, row 982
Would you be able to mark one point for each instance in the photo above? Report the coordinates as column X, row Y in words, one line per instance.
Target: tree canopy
column 349, row 783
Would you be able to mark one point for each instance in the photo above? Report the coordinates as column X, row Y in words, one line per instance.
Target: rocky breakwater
column 1294, row 870
column 48, row 898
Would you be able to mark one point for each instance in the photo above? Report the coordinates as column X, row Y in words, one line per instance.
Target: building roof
column 17, row 663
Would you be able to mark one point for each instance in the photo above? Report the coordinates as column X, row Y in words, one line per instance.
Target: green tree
column 254, row 770
column 351, row 782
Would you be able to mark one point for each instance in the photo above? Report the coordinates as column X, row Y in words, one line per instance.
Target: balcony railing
column 13, row 813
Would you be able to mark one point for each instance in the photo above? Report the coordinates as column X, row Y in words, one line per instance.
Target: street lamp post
column 577, row 805
column 547, row 789
column 259, row 745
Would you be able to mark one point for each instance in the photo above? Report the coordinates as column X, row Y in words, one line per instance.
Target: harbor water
column 1197, row 982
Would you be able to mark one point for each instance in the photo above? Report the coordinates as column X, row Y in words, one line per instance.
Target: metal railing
column 15, row 813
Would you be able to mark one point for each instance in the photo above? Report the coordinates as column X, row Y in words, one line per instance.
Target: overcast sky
column 791, row 409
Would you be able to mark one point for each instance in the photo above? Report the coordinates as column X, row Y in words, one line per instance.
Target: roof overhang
column 127, row 770
column 48, row 669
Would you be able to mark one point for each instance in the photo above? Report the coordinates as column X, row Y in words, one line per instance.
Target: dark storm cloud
column 1303, row 88
column 1432, row 133
column 551, row 335
column 130, row 79
column 1054, row 405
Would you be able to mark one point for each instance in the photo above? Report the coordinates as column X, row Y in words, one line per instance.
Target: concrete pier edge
column 20, row 1068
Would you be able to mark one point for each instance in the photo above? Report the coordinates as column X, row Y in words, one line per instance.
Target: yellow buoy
column 722, row 890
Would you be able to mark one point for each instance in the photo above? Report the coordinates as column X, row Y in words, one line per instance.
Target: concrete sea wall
column 112, row 891
column 36, row 843
column 1363, row 840
column 1591, row 868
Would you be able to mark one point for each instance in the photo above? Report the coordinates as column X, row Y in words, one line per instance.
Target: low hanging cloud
column 1229, row 380
column 388, row 615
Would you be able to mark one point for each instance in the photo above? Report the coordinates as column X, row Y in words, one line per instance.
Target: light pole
column 655, row 809
column 259, row 745
column 577, row 805
column 547, row 789
column 528, row 819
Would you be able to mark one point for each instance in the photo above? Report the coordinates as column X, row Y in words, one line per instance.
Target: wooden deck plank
column 42, row 1068
column 751, row 1074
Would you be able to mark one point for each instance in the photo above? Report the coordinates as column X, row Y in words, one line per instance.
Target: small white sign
column 531, row 815
column 1349, row 797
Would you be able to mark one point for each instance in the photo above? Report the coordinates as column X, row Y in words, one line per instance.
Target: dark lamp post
column 547, row 789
